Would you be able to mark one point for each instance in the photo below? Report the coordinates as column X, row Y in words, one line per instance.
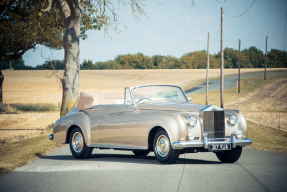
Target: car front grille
column 214, row 124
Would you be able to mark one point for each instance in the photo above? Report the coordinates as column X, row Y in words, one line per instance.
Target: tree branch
column 71, row 4
column 48, row 8
column 63, row 8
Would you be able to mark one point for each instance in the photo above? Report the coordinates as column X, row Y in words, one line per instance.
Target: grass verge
column 14, row 108
column 267, row 138
column 248, row 86
column 13, row 155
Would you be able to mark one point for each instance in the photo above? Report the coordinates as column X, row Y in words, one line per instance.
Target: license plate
column 219, row 147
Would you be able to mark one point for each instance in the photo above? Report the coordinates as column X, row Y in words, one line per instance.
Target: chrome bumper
column 233, row 141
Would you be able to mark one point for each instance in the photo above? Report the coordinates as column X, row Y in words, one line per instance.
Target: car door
column 114, row 127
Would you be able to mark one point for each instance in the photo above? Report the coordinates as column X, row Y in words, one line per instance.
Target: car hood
column 172, row 106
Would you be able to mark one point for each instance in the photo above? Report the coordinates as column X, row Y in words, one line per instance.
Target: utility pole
column 239, row 69
column 207, row 68
column 265, row 59
column 221, row 62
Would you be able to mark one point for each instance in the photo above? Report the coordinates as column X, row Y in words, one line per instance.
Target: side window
column 128, row 97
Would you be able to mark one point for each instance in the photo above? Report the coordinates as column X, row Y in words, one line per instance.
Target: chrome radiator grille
column 214, row 124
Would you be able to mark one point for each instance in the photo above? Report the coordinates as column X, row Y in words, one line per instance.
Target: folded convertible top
column 87, row 100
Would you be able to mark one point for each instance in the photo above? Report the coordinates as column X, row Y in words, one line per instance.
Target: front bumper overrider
column 233, row 141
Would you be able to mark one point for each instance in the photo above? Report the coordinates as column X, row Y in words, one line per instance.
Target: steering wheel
column 139, row 101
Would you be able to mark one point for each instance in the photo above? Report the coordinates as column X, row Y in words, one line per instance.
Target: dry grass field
column 36, row 87
column 260, row 102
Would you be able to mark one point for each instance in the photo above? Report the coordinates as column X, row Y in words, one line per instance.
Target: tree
column 87, row 65
column 51, row 65
column 230, row 58
column 78, row 17
column 21, row 29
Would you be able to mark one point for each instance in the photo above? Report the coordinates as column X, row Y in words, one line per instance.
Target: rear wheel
column 141, row 152
column 78, row 145
column 163, row 151
column 230, row 156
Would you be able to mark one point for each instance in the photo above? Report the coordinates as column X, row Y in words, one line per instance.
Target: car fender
column 64, row 125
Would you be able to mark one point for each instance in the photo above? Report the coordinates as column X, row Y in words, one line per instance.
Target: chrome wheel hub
column 162, row 145
column 77, row 142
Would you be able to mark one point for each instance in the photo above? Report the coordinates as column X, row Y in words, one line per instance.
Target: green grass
column 13, row 155
column 267, row 138
column 30, row 107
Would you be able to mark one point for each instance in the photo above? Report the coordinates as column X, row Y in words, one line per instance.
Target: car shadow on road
column 127, row 158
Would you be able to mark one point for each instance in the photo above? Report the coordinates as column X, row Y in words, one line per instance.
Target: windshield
column 158, row 92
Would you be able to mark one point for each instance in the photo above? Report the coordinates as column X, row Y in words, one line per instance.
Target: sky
column 178, row 27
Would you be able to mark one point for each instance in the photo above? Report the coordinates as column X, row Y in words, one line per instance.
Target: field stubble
column 35, row 87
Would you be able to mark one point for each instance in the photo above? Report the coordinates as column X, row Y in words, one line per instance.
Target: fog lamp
column 190, row 136
column 239, row 134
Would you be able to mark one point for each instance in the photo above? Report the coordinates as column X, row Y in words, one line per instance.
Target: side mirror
column 189, row 99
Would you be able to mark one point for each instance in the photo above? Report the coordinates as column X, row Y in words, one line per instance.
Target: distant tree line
column 250, row 58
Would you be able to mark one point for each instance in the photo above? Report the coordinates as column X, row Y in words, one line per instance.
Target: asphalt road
column 229, row 82
column 110, row 170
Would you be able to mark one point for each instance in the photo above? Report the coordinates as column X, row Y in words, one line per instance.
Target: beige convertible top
column 88, row 100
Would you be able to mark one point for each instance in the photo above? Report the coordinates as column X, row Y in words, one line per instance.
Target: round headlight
column 191, row 120
column 233, row 119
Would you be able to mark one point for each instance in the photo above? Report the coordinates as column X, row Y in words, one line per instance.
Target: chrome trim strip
column 187, row 144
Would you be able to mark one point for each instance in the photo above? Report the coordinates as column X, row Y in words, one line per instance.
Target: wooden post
column 239, row 68
column 265, row 59
column 207, row 68
column 221, row 63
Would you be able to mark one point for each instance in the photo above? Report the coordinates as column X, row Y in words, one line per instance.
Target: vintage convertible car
column 158, row 118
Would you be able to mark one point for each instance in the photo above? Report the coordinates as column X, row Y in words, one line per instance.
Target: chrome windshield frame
column 140, row 86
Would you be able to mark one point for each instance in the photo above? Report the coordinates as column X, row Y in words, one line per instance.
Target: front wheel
column 78, row 145
column 163, row 151
column 229, row 156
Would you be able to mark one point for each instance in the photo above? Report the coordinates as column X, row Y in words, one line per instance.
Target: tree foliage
column 250, row 58
column 22, row 29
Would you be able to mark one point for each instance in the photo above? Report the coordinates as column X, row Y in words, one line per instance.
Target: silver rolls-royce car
column 158, row 118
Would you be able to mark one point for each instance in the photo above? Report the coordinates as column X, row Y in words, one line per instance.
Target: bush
column 37, row 107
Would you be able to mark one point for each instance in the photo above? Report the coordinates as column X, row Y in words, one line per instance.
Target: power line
column 241, row 13
column 217, row 32
column 244, row 45
column 278, row 41
column 152, row 42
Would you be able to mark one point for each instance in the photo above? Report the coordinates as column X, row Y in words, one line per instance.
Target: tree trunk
column 70, row 81
column 1, row 83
